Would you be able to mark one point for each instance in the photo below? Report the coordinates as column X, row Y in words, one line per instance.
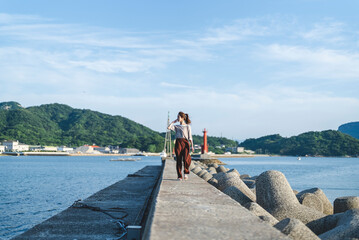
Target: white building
column 102, row 149
column 129, row 150
column 43, row 148
column 86, row 149
column 65, row 149
column 235, row 149
column 15, row 146
column 2, row 148
column 114, row 149
column 35, row 148
column 249, row 151
column 240, row 149
column 49, row 148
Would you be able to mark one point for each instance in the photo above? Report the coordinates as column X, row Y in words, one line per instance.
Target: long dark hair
column 185, row 117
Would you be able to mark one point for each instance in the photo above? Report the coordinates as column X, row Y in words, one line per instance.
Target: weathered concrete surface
column 327, row 206
column 338, row 226
column 194, row 209
column 125, row 200
column 343, row 204
column 260, row 212
column 311, row 200
column 295, row 229
column 276, row 196
column 347, row 227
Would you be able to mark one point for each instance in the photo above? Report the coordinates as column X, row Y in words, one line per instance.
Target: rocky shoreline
column 300, row 215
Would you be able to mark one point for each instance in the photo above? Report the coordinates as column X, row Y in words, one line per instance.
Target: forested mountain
column 59, row 124
column 215, row 141
column 212, row 142
column 325, row 143
column 351, row 128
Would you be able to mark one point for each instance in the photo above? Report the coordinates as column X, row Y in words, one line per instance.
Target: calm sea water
column 35, row 188
column 337, row 177
column 32, row 189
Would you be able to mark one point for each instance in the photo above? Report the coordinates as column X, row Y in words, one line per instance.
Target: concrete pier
column 153, row 204
column 194, row 209
column 101, row 215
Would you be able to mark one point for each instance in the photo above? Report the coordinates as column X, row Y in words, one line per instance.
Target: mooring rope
column 119, row 221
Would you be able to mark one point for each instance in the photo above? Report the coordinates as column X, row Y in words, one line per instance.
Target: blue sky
column 240, row 69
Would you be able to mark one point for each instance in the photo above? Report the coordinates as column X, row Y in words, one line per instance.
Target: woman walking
column 183, row 143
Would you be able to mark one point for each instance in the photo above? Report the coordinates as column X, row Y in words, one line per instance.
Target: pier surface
column 194, row 209
column 97, row 216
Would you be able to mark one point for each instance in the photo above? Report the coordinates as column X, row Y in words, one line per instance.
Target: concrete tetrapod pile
column 276, row 196
column 304, row 215
column 316, row 198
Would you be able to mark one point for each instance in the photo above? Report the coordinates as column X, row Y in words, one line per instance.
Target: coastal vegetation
column 216, row 145
column 324, row 143
column 59, row 124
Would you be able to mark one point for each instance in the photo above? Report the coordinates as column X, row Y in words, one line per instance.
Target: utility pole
column 168, row 142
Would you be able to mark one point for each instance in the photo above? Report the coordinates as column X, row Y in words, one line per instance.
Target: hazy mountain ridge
column 351, row 128
column 59, row 124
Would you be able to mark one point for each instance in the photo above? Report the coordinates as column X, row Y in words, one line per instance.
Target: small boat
column 299, row 158
column 126, row 159
column 141, row 154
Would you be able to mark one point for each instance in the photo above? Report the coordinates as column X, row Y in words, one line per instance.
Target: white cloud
column 239, row 114
column 97, row 49
column 238, row 31
column 111, row 66
column 313, row 63
column 117, row 73
column 174, row 85
column 16, row 18
column 327, row 31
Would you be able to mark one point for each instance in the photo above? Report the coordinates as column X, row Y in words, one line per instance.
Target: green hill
column 351, row 128
column 325, row 143
column 215, row 141
column 212, row 142
column 58, row 124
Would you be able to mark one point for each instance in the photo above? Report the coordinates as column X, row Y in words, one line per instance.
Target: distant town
column 15, row 147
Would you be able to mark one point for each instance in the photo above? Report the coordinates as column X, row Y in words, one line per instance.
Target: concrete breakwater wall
column 115, row 212
column 304, row 215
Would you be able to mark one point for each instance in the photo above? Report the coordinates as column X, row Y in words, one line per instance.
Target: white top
column 182, row 131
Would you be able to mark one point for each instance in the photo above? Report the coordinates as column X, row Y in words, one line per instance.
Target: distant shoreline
column 240, row 155
column 65, row 154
